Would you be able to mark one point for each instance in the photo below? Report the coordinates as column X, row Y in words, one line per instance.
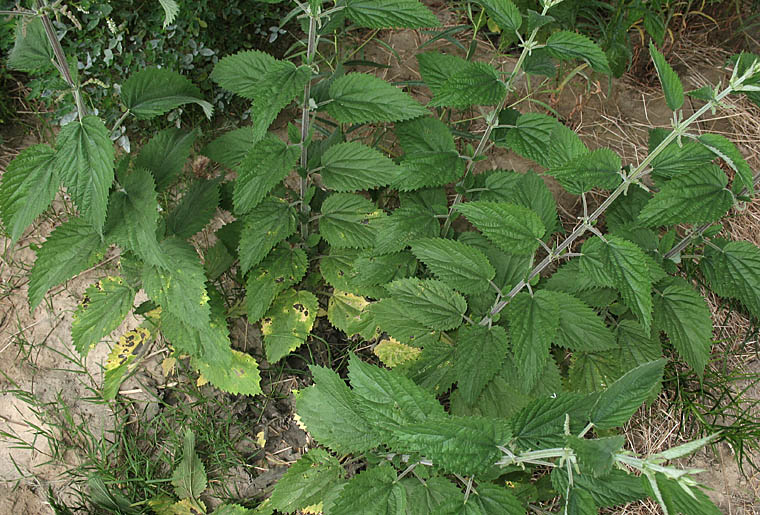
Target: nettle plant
column 504, row 384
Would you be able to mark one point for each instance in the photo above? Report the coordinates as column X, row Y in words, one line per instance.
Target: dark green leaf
column 531, row 136
column 372, row 492
column 671, row 84
column 230, row 148
column 580, row 327
column 349, row 221
column 152, row 92
column 525, row 189
column 104, row 306
column 266, row 164
column 504, row 13
column 432, row 303
column 360, row 98
column 596, row 456
column 436, row 68
column 479, row 354
column 353, row 166
column 514, row 229
column 390, row 14
column 541, row 424
column 617, row 488
column 31, row 50
column 268, row 224
column 195, row 209
column 735, row 273
column 402, row 227
column 727, row 151
column 463, row 267
column 565, row 45
column 477, row 83
column 598, row 169
column 533, row 325
column 687, row 500
column 165, row 155
column 306, row 482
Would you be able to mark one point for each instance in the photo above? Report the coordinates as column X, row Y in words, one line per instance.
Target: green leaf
column 671, row 84
column 636, row 346
column 288, row 322
column 479, row 354
column 230, row 148
column 615, row 489
column 581, row 502
column 71, row 248
column 152, row 92
column 84, row 160
column 31, row 50
column 684, row 315
column 349, row 313
column 231, row 509
column 541, row 423
column 133, row 217
column 679, row 497
column 430, row 302
column 266, row 165
column 195, row 209
column 430, row 155
column 338, row 270
column 239, row 377
column 525, row 189
column 348, row 221
column 531, row 136
column 281, row 269
column 165, row 155
column 477, row 83
column 104, row 306
column 393, row 318
column 436, row 68
column 727, row 151
column 189, row 478
column 621, row 400
column 402, row 227
column 514, row 229
column 352, row 167
column 268, row 224
column 390, row 14
column 533, row 325
column 509, row 268
column 597, row 169
column 580, row 327
column 596, row 456
column 698, row 197
column 675, row 160
column 374, row 270
column 735, row 273
column 171, row 10
column 102, row 497
column 565, row 146
column 243, row 73
column 329, row 411
column 27, row 188
column 217, row 260
column 374, row 491
column 307, row 481
column 462, row 267
column 565, row 45
column 504, row 13
column 360, row 98
column 593, row 371
column 622, row 264
column 429, row 496
column 489, row 499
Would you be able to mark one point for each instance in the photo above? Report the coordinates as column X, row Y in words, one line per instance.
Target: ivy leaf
column 31, row 50
column 240, row 377
column 735, row 272
column 477, row 83
column 580, row 327
column 514, row 229
column 374, row 491
column 352, row 167
column 288, row 322
column 698, row 197
column 727, row 151
column 349, row 313
column 431, row 303
column 566, row 45
column 684, row 315
column 620, row 401
column 266, row 165
column 531, row 136
column 504, row 13
column 525, row 189
column 348, row 221
column 84, row 160
column 533, row 325
column 104, row 306
column 268, row 224
column 461, row 266
column 307, row 481
column 72, row 247
column 402, row 227
column 165, row 155
column 361, row 98
column 230, row 148
column 27, row 188
column 671, row 84
column 390, row 14
column 479, row 354
column 152, row 92
column 622, row 264
column 189, row 478
column 597, row 169
column 281, row 269
column 195, row 209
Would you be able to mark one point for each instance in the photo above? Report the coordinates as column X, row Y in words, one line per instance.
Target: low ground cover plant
column 512, row 350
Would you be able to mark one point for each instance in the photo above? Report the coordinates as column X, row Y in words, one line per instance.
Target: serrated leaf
column 430, row 302
column 104, row 498
column 477, row 83
column 504, row 13
column 372, row 270
column 430, row 155
column 533, row 325
column 727, row 151
column 374, row 491
column 125, row 351
column 288, row 322
column 27, row 188
column 307, row 481
column 436, row 68
column 84, row 161
column 683, row 314
column 620, row 401
column 239, row 377
column 281, row 269
column 338, row 270
column 531, row 136
column 580, row 327
column 429, row 496
column 31, row 50
column 349, row 221
column 165, row 155
column 243, row 72
column 268, row 224
column 349, row 313
column 231, row 509
column 402, row 227
column 133, row 217
column 514, row 229
column 622, row 264
column 599, row 168
column 596, row 456
column 615, row 489
column 462, row 267
column 71, row 248
column 581, row 502
column 675, row 160
column 541, row 423
column 393, row 353
column 230, row 148
column 698, row 197
column 735, row 272
column 525, row 189
column 103, row 307
column 671, row 84
column 565, row 146
column 189, row 478
column 687, row 500
column 361, row 98
column 594, row 371
column 266, row 164
column 509, row 268
column 390, row 14
column 490, row 499
column 195, row 209
column 171, row 10
column 352, row 167
column 566, row 45
column 479, row 354
column 434, row 369
column 217, row 260
column 393, row 318
column 636, row 346
column 152, row 92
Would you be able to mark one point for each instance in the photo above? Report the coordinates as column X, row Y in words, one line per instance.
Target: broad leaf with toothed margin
column 461, row 266
column 531, row 136
column 479, row 354
column 580, row 327
column 165, row 155
column 599, row 168
column 430, row 302
column 361, row 98
column 353, row 166
column 104, row 306
column 374, row 491
column 671, row 84
column 734, row 271
column 514, row 229
column 476, row 84
column 288, row 322
column 265, row 226
column 281, row 269
column 266, row 165
column 195, row 209
column 727, row 151
column 504, row 13
column 349, row 221
column 390, row 14
column 154, row 91
column 566, row 45
column 307, row 481
column 533, row 324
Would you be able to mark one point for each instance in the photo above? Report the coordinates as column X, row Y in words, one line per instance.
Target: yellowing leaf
column 314, row 509
column 288, row 322
column 348, row 313
column 261, row 440
column 201, row 381
column 129, row 345
column 392, row 352
column 167, row 365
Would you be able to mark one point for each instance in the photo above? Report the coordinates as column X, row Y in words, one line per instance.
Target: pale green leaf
column 360, row 98
column 239, row 377
column 281, row 269
column 671, row 84
column 171, row 10
column 288, row 322
column 349, row 220
column 195, row 210
column 243, row 72
column 189, row 478
column 374, row 491
column 463, row 267
column 392, row 353
column 154, row 91
column 480, row 352
column 390, row 14
column 504, row 13
column 678, row 498
column 307, row 481
column 31, row 50
column 266, row 165
column 349, row 313
column 514, row 229
column 165, row 155
column 566, row 45
column 533, row 325
column 104, row 306
column 597, row 169
column 268, row 224
column 430, row 302
column 393, row 318
column 352, row 166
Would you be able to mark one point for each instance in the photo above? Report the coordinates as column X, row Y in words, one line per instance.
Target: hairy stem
column 311, row 48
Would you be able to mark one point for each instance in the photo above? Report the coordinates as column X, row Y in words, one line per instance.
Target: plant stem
column 306, row 120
